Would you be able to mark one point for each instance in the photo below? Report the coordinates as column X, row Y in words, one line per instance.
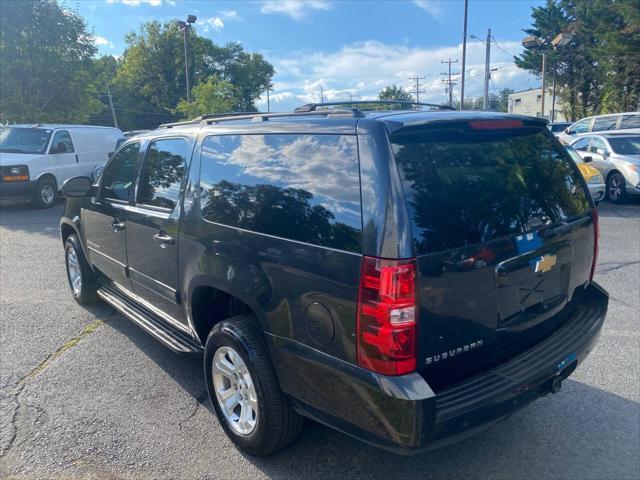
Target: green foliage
column 393, row 92
column 599, row 71
column 150, row 82
column 46, row 55
column 212, row 96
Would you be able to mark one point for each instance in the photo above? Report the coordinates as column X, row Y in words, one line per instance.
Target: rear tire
column 46, row 193
column 82, row 280
column 616, row 188
column 273, row 424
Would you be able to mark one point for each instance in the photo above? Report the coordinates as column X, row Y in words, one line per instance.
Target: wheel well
column 611, row 173
column 65, row 232
column 210, row 306
column 49, row 175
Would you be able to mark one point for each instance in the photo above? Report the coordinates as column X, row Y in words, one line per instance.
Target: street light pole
column 464, row 54
column 487, row 72
column 544, row 84
column 184, row 26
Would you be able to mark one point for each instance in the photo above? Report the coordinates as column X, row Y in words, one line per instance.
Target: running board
column 160, row 330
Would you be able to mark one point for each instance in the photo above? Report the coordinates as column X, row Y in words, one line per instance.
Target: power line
column 449, row 81
column 418, row 85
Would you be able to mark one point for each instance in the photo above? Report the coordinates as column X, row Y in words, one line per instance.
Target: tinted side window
column 62, row 137
column 162, row 173
column 299, row 187
column 605, row 123
column 630, row 121
column 119, row 176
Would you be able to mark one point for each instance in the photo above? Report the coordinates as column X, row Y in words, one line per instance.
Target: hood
column 9, row 158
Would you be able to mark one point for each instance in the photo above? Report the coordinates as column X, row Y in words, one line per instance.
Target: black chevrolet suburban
column 407, row 277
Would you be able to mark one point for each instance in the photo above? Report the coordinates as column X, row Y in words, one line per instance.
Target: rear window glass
column 466, row 188
column 630, row 121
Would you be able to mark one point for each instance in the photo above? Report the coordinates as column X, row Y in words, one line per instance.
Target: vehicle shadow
column 582, row 432
column 23, row 217
column 625, row 210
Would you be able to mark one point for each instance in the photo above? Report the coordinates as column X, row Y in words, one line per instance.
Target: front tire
column 244, row 390
column 46, row 193
column 616, row 188
column 82, row 281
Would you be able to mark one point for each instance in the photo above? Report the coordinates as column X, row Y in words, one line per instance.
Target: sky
column 352, row 49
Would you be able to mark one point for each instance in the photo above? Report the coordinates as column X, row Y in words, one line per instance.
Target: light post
column 531, row 42
column 184, row 26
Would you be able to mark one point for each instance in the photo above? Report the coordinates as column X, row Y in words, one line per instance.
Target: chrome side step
column 160, row 330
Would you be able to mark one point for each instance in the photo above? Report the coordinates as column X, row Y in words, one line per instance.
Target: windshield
column 24, row 140
column 465, row 188
column 625, row 145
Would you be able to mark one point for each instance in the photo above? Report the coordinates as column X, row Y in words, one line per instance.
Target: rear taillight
column 596, row 234
column 495, row 124
column 387, row 314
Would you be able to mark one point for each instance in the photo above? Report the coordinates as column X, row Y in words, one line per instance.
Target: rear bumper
column 16, row 190
column 404, row 415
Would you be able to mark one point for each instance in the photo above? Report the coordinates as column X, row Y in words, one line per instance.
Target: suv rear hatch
column 503, row 230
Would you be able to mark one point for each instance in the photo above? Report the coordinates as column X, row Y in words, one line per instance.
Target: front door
column 152, row 228
column 105, row 219
column 64, row 156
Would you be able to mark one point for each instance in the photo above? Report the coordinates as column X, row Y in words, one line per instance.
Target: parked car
column 35, row 160
column 593, row 177
column 558, row 127
column 628, row 122
column 405, row 277
column 617, row 157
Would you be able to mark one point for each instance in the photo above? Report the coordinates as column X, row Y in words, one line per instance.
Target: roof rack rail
column 262, row 117
column 312, row 107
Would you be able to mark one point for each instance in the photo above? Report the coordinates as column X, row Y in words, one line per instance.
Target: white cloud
column 102, row 42
column 136, row 3
column 213, row 23
column 360, row 70
column 435, row 8
column 230, row 15
column 296, row 9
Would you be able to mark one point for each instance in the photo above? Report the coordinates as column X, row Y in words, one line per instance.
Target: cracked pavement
column 84, row 393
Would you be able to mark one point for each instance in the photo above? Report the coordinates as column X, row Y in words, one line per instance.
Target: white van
column 35, row 160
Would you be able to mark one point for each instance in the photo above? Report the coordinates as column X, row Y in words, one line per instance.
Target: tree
column 503, row 100
column 212, row 96
column 393, row 92
column 599, row 71
column 46, row 55
column 150, row 82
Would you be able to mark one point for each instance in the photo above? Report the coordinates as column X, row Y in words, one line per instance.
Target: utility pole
column 464, row 54
column 113, row 112
column 449, row 82
column 544, row 82
column 487, row 72
column 269, row 87
column 418, row 85
column 321, row 94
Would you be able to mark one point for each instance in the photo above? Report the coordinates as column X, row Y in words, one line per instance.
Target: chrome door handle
column 117, row 225
column 163, row 239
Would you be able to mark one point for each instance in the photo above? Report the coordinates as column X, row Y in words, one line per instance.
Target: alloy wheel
column 74, row 272
column 235, row 390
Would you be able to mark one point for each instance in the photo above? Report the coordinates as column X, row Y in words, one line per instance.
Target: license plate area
column 533, row 286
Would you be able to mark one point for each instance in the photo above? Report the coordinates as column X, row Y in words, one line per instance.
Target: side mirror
column 77, row 187
column 568, row 131
column 587, row 159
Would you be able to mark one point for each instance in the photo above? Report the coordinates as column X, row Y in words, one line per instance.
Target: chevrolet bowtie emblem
column 545, row 263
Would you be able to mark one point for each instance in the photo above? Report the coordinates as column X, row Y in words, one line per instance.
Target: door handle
column 117, row 225
column 77, row 160
column 163, row 239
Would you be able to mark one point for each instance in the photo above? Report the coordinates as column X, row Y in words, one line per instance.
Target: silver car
column 617, row 156
column 628, row 122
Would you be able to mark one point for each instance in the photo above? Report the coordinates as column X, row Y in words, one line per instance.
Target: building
column 529, row 102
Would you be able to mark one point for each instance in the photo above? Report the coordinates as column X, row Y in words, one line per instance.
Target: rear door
column 503, row 232
column 152, row 227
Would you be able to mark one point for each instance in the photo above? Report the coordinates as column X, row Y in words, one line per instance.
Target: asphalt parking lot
column 84, row 393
